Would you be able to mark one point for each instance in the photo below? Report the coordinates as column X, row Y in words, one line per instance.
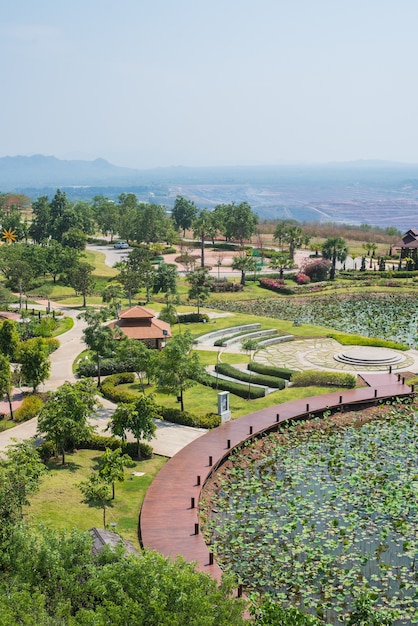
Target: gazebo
column 142, row 324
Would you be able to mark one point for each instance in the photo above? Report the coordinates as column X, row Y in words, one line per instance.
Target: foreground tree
column 9, row 339
column 64, row 419
column 183, row 213
column 96, row 492
column 179, row 366
column 280, row 261
column 82, row 280
column 6, row 384
column 136, row 417
column 334, row 249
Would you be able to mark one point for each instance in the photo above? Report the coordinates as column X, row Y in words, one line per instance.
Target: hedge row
column 236, row 388
column 100, row 442
column 188, row 318
column 107, row 367
column 257, row 379
column 225, row 286
column 111, row 392
column 358, row 340
column 271, row 370
column 323, row 379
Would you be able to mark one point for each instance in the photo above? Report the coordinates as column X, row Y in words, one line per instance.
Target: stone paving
column 318, row 353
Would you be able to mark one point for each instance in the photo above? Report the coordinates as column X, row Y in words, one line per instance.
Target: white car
column 121, row 245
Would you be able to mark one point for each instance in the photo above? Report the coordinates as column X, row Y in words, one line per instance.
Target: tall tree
column 40, row 228
column 140, row 262
column 293, row 237
column 179, row 366
column 280, row 261
column 242, row 222
column 334, row 249
column 165, row 279
column 64, row 419
column 143, row 359
column 135, row 417
column 183, row 213
column 106, row 214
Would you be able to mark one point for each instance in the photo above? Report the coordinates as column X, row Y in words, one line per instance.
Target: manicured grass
column 96, row 258
column 5, row 424
column 64, row 324
column 201, row 400
column 59, row 503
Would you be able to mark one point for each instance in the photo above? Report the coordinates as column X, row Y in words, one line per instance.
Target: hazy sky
column 210, row 82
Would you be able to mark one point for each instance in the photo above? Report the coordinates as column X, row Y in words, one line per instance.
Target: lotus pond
column 319, row 512
column 386, row 316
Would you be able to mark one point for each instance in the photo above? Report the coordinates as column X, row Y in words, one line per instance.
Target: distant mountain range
column 373, row 192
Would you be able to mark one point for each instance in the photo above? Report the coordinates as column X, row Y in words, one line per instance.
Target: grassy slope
column 59, row 501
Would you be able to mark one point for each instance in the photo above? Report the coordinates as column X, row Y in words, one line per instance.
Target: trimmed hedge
column 323, row 379
column 100, row 442
column 29, row 408
column 186, row 318
column 358, row 340
column 225, row 286
column 257, row 379
column 111, row 392
column 108, row 367
column 236, row 388
column 271, row 370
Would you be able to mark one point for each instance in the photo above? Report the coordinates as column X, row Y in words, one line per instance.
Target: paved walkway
column 169, row 438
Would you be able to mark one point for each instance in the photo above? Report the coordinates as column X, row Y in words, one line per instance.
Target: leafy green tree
column 128, row 216
column 40, row 228
column 244, row 263
column 112, row 464
column 179, row 366
column 58, row 259
column 280, row 261
column 20, row 473
column 153, row 223
column 64, row 419
column 82, row 280
column 135, row 417
column 74, row 238
column 96, row 491
column 6, row 384
column 140, row 262
column 106, row 214
column 165, row 279
column 98, row 337
column 129, row 279
column 334, row 249
column 242, row 222
column 9, row 339
column 200, row 282
column 183, row 213
column 142, row 358
column 35, row 363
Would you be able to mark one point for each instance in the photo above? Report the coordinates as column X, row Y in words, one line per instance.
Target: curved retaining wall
column 169, row 520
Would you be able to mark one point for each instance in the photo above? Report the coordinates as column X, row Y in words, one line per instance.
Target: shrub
column 223, row 286
column 271, row 370
column 236, row 388
column 302, row 279
column 257, row 379
column 316, row 268
column 176, row 416
column 187, row 318
column 110, row 391
column 275, row 284
column 29, row 408
column 100, row 442
column 323, row 379
column 358, row 340
column 52, row 344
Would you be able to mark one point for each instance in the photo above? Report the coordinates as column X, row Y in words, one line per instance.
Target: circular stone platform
column 369, row 357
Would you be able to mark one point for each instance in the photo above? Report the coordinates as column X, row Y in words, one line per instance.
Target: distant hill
column 374, row 192
column 48, row 171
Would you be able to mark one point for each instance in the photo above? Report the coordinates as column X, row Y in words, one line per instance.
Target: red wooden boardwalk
column 169, row 515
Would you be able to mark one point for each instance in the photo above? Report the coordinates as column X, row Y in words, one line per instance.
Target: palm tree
column 280, row 261
column 334, row 249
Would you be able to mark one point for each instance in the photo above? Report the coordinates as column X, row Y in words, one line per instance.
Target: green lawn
column 59, row 504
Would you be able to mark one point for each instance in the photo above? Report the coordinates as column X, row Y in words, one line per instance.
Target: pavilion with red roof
column 142, row 324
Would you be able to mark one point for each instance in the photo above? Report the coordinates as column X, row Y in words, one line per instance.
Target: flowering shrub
column 316, row 269
column 302, row 279
column 275, row 284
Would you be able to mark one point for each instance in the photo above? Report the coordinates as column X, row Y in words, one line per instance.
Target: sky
column 159, row 83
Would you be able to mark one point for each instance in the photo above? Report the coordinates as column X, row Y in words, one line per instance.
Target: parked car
column 121, row 245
